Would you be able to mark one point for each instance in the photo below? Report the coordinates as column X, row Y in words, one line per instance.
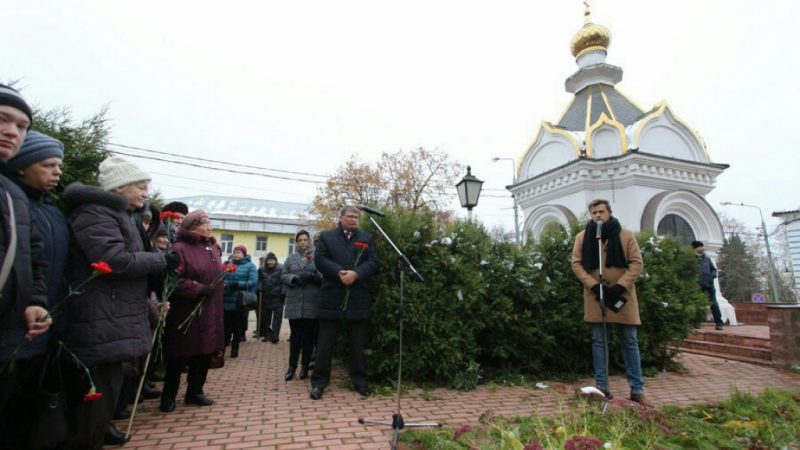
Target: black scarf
column 615, row 256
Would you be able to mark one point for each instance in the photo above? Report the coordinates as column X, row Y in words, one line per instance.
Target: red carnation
column 309, row 256
column 101, row 268
column 362, row 245
column 92, row 395
column 170, row 215
column 179, row 269
column 232, row 268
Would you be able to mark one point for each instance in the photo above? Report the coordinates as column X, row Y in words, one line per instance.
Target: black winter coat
column 334, row 253
column 273, row 292
column 51, row 226
column 108, row 322
column 26, row 284
column 707, row 272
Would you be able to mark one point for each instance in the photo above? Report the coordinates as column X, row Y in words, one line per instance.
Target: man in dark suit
column 347, row 259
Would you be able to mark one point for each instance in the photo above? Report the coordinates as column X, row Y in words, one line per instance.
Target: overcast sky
column 302, row 85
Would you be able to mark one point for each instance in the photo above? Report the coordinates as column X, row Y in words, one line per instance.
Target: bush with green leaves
column 489, row 309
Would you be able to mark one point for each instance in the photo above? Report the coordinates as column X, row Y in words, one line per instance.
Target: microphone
column 599, row 224
column 369, row 210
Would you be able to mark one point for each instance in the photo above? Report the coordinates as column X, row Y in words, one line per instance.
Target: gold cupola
column 590, row 37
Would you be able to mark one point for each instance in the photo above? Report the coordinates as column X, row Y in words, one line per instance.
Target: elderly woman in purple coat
column 194, row 344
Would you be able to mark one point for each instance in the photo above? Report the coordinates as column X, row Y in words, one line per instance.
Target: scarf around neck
column 615, row 255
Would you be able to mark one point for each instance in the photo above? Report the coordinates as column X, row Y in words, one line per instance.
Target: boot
column 289, row 373
column 304, row 373
column 115, row 437
column 234, row 350
column 642, row 400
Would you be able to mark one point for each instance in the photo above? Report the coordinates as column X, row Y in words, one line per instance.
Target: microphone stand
column 607, row 394
column 397, row 423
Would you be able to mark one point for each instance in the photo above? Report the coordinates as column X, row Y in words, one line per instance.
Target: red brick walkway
column 255, row 408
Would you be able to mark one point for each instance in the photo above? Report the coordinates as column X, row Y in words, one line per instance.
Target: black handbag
column 246, row 301
column 51, row 420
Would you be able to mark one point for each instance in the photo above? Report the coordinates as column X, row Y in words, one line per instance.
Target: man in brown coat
column 622, row 264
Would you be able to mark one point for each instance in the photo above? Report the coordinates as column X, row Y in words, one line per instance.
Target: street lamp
column 772, row 279
column 469, row 189
column 516, row 208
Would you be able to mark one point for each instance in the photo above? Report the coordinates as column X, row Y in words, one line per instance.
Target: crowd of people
column 92, row 291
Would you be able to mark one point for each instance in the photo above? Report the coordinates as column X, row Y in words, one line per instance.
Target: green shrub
column 489, row 309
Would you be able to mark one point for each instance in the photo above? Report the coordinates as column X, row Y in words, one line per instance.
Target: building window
column 291, row 246
column 677, row 226
column 261, row 243
column 226, row 243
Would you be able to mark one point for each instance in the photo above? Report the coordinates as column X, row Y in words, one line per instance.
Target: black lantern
column 469, row 190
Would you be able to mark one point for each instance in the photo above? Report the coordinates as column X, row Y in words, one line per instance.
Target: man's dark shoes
column 167, row 405
column 115, row 437
column 275, row 341
column 235, row 351
column 289, row 374
column 198, row 399
column 122, row 415
column 718, row 327
column 316, row 393
column 363, row 391
column 304, row 373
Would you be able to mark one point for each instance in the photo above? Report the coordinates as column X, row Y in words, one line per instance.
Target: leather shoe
column 289, row 374
column 167, row 405
column 642, row 400
column 363, row 391
column 150, row 392
column 316, row 393
column 121, row 415
column 114, row 437
column 304, row 373
column 198, row 399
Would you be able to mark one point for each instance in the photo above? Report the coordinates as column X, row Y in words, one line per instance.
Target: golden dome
column 590, row 37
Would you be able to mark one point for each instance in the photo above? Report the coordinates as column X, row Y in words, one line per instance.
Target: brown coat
column 626, row 278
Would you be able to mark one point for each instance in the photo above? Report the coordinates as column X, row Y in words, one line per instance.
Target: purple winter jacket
column 202, row 264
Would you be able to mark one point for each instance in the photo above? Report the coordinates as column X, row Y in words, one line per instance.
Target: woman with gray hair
column 107, row 322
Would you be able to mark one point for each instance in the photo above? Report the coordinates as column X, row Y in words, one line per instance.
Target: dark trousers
column 19, row 389
column 303, row 337
column 195, row 376
column 270, row 321
column 91, row 419
column 712, row 299
column 234, row 322
column 326, row 341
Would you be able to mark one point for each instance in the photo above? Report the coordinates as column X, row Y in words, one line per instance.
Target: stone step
column 757, row 361
column 731, row 339
column 731, row 351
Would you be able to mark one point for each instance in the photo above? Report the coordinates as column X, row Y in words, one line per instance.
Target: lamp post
column 516, row 208
column 469, row 190
column 773, row 281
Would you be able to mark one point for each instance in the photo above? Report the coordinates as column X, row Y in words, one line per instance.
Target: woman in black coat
column 107, row 323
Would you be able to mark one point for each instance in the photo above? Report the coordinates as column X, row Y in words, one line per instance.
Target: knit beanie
column 11, row 97
column 193, row 219
column 696, row 244
column 37, row 147
column 116, row 172
column 178, row 207
column 241, row 248
column 271, row 256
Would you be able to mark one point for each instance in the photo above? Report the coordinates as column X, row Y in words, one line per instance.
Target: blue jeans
column 630, row 354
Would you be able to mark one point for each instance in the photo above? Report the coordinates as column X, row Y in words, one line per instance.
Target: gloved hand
column 615, row 298
column 596, row 290
column 295, row 282
column 173, row 261
column 306, row 277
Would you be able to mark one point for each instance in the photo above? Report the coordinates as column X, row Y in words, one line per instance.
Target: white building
column 791, row 222
column 652, row 166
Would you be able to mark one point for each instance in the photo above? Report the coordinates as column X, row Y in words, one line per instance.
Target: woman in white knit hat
column 107, row 323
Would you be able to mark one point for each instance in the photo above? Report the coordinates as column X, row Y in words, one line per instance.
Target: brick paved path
column 255, row 408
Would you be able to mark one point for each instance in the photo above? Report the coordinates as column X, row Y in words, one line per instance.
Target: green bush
column 490, row 309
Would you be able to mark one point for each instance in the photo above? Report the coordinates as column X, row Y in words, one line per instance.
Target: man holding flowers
column 347, row 259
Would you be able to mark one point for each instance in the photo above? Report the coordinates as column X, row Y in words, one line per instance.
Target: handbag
column 217, row 360
column 246, row 301
column 50, row 422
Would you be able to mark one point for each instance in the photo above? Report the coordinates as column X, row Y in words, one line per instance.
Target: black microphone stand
column 397, row 423
column 607, row 394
